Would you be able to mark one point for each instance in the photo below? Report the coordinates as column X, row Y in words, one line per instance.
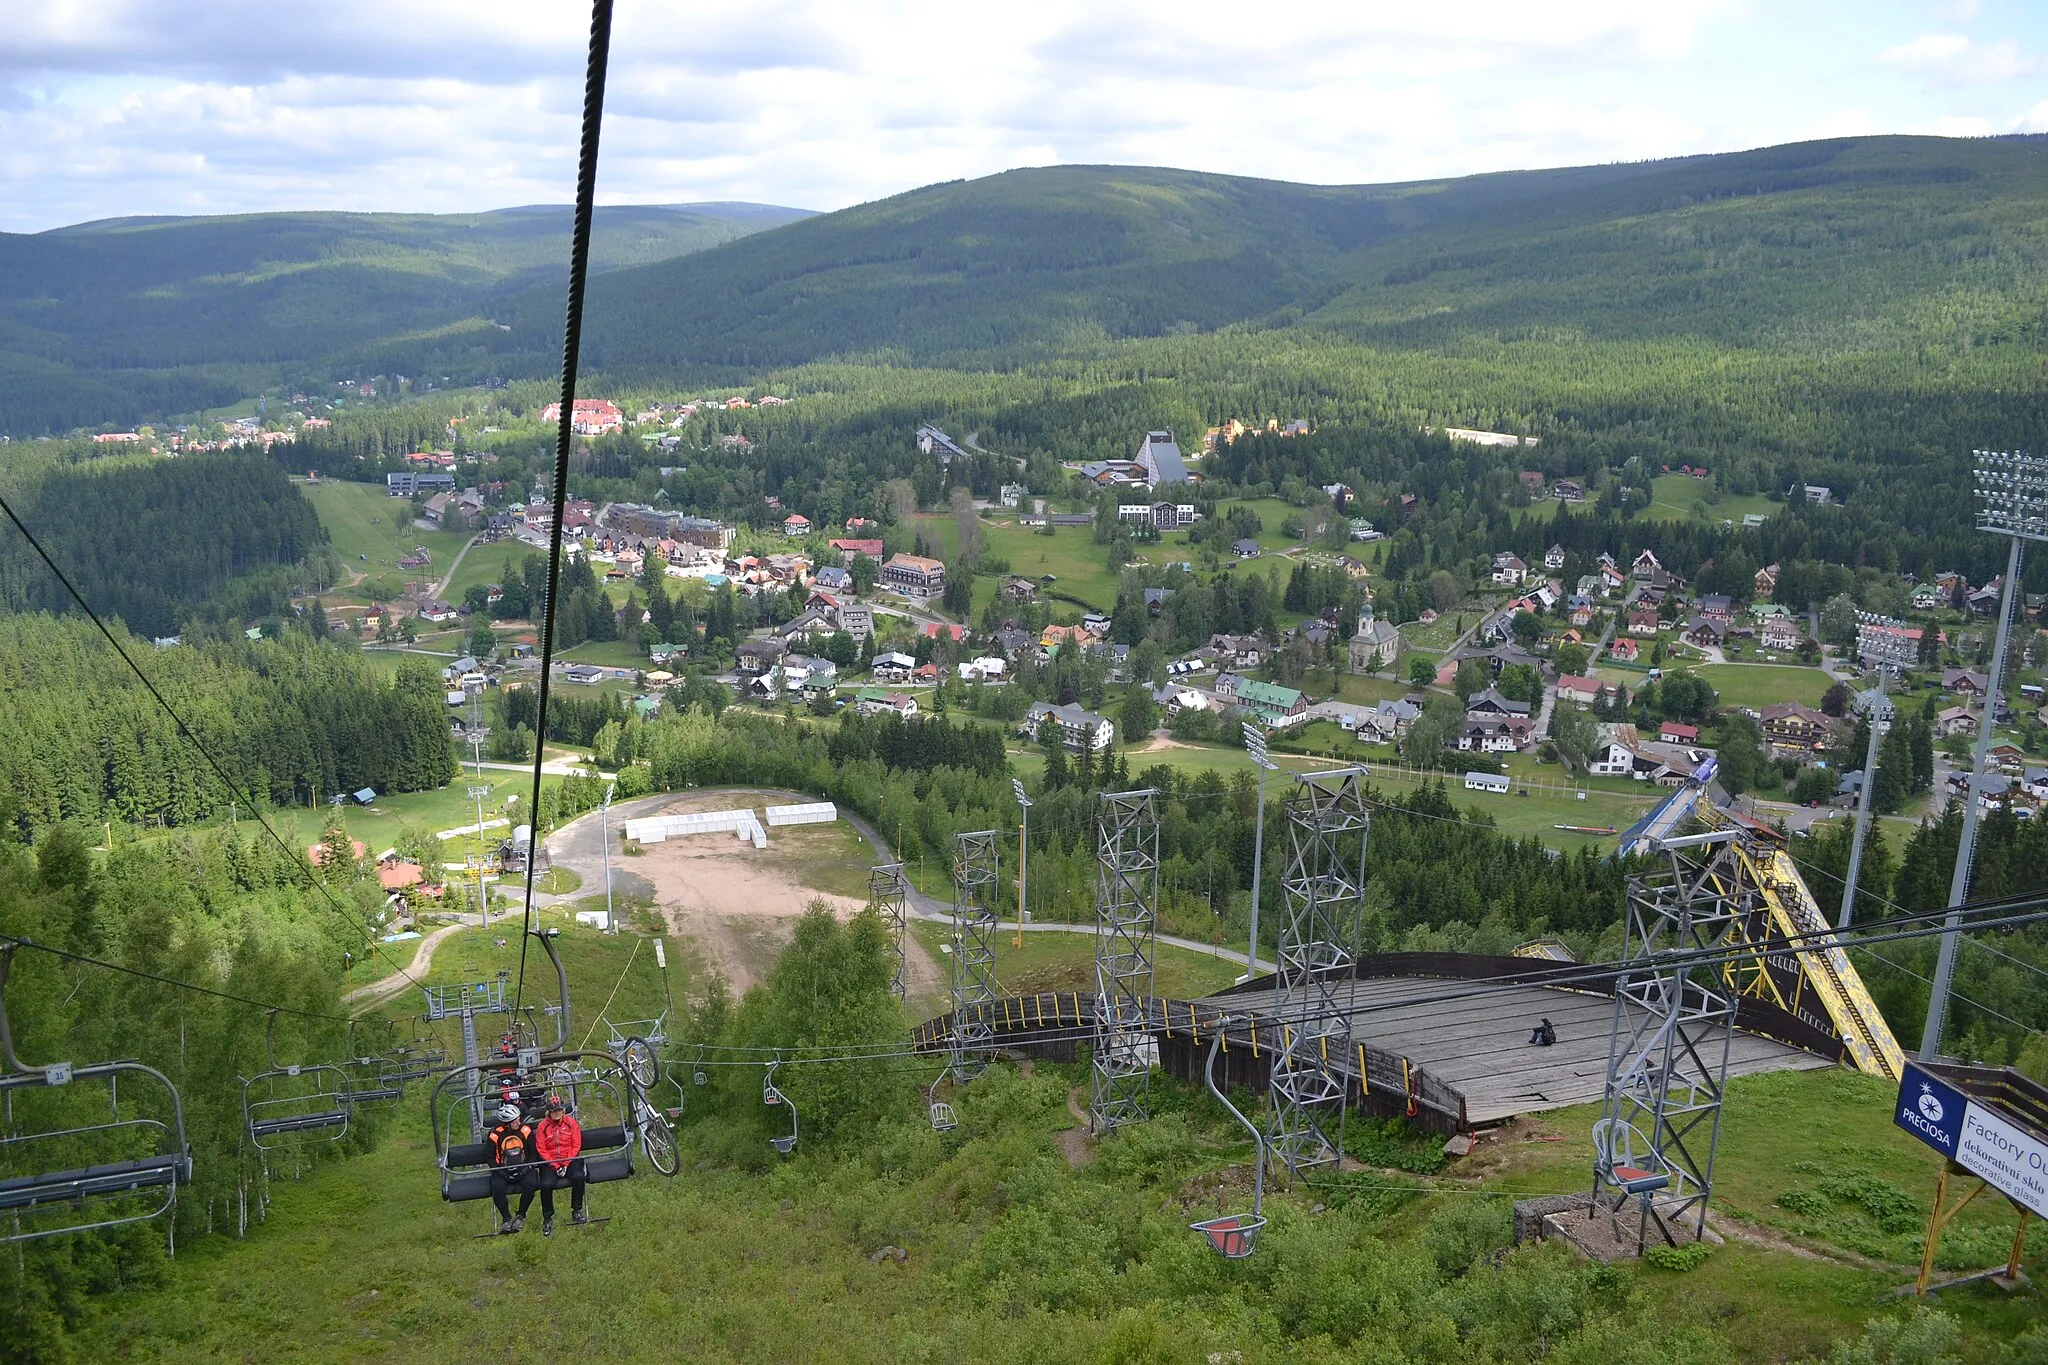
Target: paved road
column 441, row 588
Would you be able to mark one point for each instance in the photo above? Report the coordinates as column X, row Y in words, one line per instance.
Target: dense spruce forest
column 291, row 720
column 157, row 544
column 130, row 319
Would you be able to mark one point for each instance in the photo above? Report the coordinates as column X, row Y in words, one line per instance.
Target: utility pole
column 1876, row 710
column 604, row 820
column 2013, row 488
column 477, row 793
column 1255, row 742
column 1023, row 829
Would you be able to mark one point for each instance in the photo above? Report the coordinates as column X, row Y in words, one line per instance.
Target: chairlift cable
column 255, row 809
column 572, row 341
column 599, row 1016
column 21, row 942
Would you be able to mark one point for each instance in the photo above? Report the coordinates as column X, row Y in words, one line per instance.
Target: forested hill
column 1849, row 244
column 132, row 318
column 158, row 543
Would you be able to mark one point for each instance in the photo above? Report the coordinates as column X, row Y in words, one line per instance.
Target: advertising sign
column 1974, row 1136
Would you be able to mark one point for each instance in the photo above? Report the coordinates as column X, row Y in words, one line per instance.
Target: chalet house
column 1705, row 633
column 1583, row 614
column 1078, row 729
column 1612, row 580
column 1793, row 728
column 1155, row 599
column 1961, row 681
column 1014, row 642
column 1020, row 590
column 1508, row 571
column 873, row 701
column 1624, row 650
column 894, row 668
column 1568, row 490
column 1240, row 651
column 1956, row 720
column 1929, row 597
column 1245, row 549
column 758, row 656
column 832, row 578
column 936, row 630
column 914, row 576
column 1645, row 567
column 1553, row 558
column 1271, row 701
column 1389, row 720
column 1766, row 581
column 1053, row 638
column 1500, row 736
column 848, row 548
column 1491, row 703
column 1584, row 691
column 1779, row 633
column 796, row 524
column 1718, row 606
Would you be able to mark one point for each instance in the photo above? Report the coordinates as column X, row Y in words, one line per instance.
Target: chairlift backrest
column 80, row 1197
column 311, row 1101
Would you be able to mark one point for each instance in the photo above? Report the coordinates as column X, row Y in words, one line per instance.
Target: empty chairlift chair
column 374, row 1078
column 307, row 1102
column 65, row 1169
column 772, row 1096
column 1235, row 1236
column 1629, row 1164
column 942, row 1116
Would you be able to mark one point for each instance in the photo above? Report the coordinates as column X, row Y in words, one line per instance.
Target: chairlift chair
column 1629, row 1163
column 943, row 1118
column 1234, row 1236
column 148, row 1157
column 771, row 1095
column 311, row 1100
column 597, row 1091
column 375, row 1077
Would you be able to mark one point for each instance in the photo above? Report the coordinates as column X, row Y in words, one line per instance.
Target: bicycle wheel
column 657, row 1141
column 641, row 1063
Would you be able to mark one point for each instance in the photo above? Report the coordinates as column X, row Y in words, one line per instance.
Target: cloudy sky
column 111, row 107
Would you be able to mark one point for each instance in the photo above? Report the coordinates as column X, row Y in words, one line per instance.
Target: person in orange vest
column 559, row 1142
column 512, row 1156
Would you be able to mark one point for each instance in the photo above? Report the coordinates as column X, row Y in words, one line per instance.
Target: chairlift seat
column 943, row 1120
column 466, row 1172
column 1234, row 1236
column 784, row 1145
column 1635, row 1180
column 298, row 1123
column 110, row 1178
column 377, row 1095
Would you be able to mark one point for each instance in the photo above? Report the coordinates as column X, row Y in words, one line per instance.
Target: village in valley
column 1122, row 607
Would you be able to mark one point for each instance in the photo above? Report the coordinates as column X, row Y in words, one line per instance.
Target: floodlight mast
column 1255, row 744
column 2012, row 488
column 1023, row 839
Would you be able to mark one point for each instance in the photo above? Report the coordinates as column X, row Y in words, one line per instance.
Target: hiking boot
column 547, row 1225
column 506, row 1228
column 518, row 1222
column 579, row 1216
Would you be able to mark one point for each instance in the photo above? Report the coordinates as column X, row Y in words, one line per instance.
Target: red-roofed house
column 1674, row 733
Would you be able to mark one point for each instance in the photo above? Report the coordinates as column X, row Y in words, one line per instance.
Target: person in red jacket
column 558, row 1141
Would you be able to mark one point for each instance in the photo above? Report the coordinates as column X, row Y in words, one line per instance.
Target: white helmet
column 508, row 1113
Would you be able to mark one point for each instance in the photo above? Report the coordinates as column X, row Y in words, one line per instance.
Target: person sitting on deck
column 559, row 1141
column 511, row 1144
column 1543, row 1035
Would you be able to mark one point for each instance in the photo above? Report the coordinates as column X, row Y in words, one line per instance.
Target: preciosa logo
column 1930, row 1104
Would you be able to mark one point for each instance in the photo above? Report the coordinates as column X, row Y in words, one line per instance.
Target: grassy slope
column 735, row 1260
column 372, row 531
column 1758, row 685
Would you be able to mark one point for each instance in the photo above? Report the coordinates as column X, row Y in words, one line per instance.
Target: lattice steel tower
column 1126, row 896
column 1673, row 1024
column 974, row 950
column 1327, row 824
column 889, row 896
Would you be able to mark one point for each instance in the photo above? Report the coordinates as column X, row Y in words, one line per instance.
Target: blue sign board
column 1930, row 1109
column 1977, row 1137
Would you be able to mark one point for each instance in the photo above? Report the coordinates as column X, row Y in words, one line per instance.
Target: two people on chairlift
column 536, row 1158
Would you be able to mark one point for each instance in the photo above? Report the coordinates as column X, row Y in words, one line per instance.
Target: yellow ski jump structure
column 1818, row 984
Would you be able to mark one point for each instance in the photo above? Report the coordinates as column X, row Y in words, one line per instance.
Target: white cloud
column 1953, row 59
column 140, row 106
